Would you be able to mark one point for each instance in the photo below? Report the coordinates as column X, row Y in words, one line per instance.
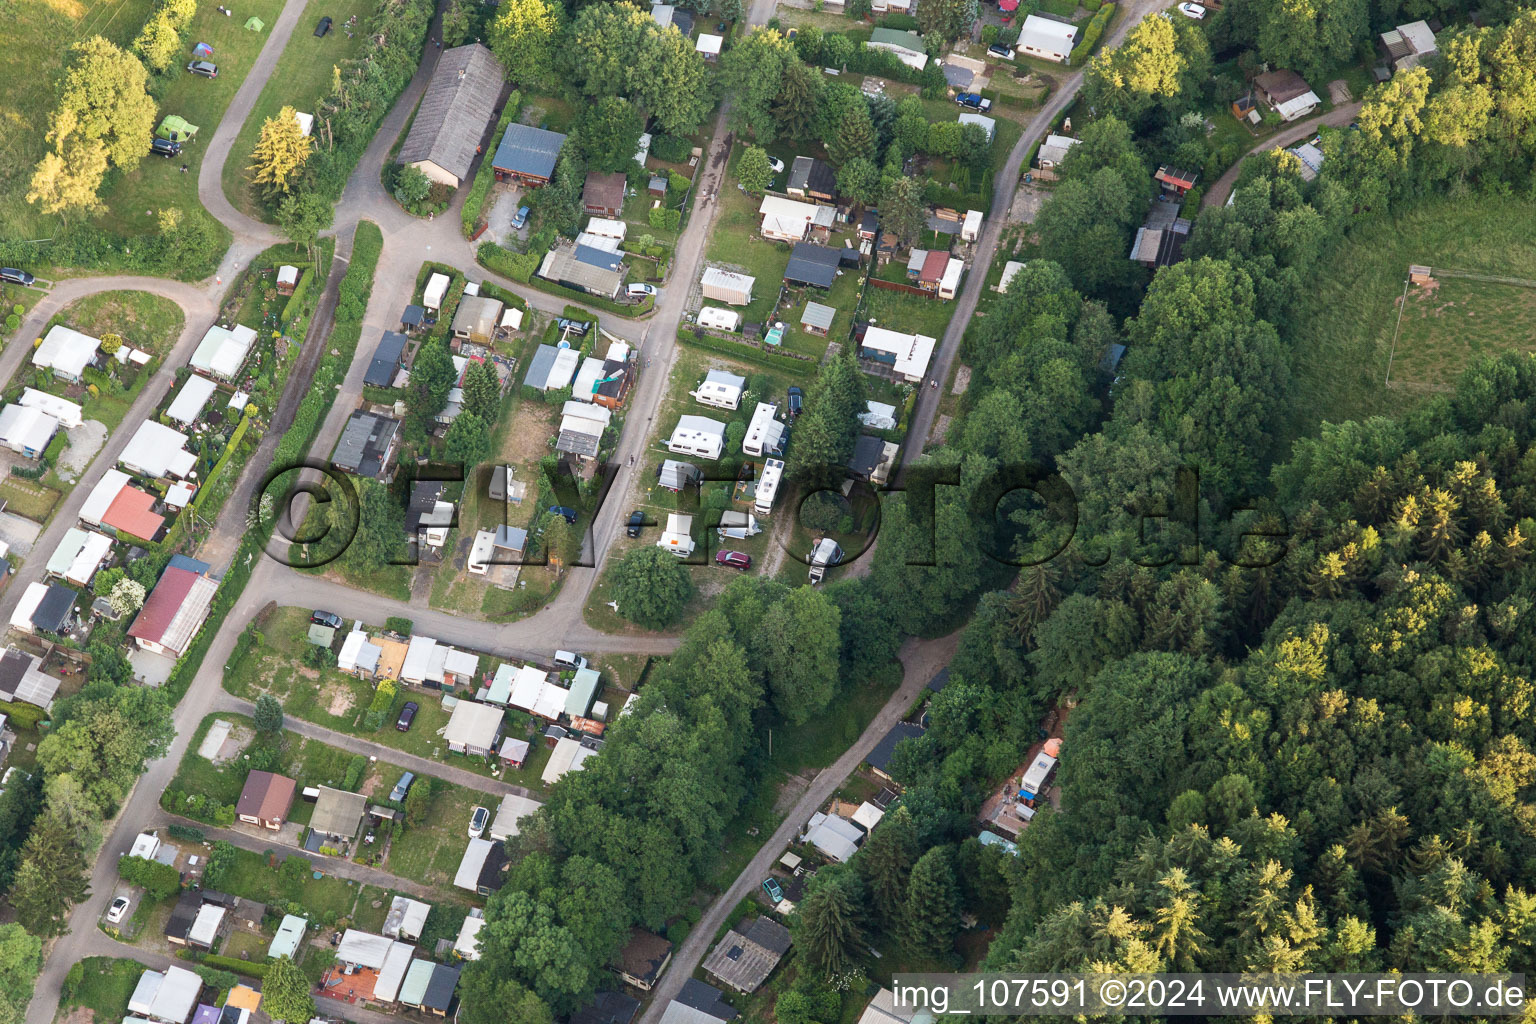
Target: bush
column 398, row 624
column 356, row 768
column 519, row 267
column 296, row 300
column 22, row 716
column 670, row 148
column 1091, row 34
column 186, row 833
column 246, row 967
column 384, row 696
column 157, row 880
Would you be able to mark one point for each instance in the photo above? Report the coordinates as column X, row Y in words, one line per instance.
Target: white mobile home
column 697, row 435
column 719, row 319
column 724, row 286
column 768, row 486
column 764, row 431
column 720, row 389
column 1047, row 39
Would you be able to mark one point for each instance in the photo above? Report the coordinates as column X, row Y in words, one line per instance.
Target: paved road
column 198, row 307
column 927, row 407
column 921, row 660
column 1338, row 116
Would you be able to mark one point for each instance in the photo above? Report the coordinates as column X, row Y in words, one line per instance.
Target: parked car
column 407, row 716
column 11, row 275
column 164, row 147
column 520, row 218
column 734, row 559
column 325, row 618
column 206, row 68
column 324, row 27
column 1192, row 11
column 118, row 910
column 402, row 787
column 1000, row 51
column 796, row 402
column 576, row 327
column 569, row 659
column 633, row 523
column 974, row 100
column 776, row 165
column 639, row 291
column 477, row 822
column 771, row 887
column 564, row 512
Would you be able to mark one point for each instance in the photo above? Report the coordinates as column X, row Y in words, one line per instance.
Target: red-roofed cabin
column 132, row 512
column 174, row 612
column 1176, row 181
column 932, row 273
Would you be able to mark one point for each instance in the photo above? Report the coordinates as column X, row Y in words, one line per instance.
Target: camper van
column 824, row 555
column 764, row 432
column 1037, row 778
column 768, row 486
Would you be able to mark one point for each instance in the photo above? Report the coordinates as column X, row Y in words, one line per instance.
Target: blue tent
column 202, row 50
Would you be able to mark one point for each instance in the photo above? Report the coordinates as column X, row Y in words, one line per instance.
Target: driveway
column 1217, row 194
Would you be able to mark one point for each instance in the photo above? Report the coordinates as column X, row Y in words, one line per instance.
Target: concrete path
column 921, row 661
column 1217, row 194
column 927, row 406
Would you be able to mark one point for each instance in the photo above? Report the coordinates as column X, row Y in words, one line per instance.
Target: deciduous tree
column 651, row 586
column 609, row 132
column 285, row 994
column 752, row 170
column 524, row 38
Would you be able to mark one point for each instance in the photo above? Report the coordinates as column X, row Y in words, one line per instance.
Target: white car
column 477, row 822
column 1192, row 11
column 776, row 165
column 118, row 910
column 639, row 291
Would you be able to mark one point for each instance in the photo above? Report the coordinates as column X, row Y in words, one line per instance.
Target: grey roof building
column 386, row 360
column 563, row 266
column 744, row 958
column 366, row 445
column 527, row 154
column 458, row 106
column 812, row 264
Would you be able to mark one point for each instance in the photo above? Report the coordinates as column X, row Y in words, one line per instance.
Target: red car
column 734, row 559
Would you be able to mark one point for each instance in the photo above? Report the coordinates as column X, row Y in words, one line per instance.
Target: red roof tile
column 131, row 512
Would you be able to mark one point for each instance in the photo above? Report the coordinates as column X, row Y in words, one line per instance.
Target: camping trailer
column 437, row 288
column 768, row 486
column 824, row 555
column 737, row 525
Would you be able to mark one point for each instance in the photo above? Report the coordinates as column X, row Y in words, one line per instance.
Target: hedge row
column 229, row 963
column 486, row 175
column 748, row 352
column 296, row 301
column 519, row 266
column 1092, row 33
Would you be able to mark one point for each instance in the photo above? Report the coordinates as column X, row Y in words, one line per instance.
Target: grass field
column 37, row 35
column 1347, row 314
column 133, row 200
column 101, row 984
column 301, row 79
column 145, row 321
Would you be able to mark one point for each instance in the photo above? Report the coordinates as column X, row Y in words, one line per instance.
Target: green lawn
column 101, row 984
column 134, row 199
column 145, row 321
column 1345, row 316
column 29, row 498
column 37, row 37
column 430, row 853
column 301, row 79
column 901, row 311
column 291, row 883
